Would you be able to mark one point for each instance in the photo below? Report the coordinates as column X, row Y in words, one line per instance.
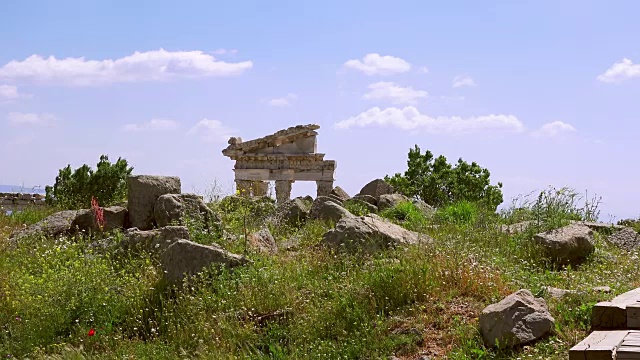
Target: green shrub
column 356, row 207
column 74, row 189
column 552, row 208
column 242, row 215
column 407, row 214
column 632, row 223
column 459, row 213
column 438, row 183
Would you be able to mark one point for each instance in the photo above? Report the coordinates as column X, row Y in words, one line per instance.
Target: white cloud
column 211, row 130
column 224, row 52
column 282, row 101
column 10, row 93
column 553, row 129
column 152, row 125
column 461, row 81
column 423, row 70
column 409, row 118
column 156, row 65
column 18, row 118
column 620, row 71
column 374, row 64
column 394, row 93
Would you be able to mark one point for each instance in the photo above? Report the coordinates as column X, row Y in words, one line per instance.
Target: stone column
column 244, row 187
column 283, row 190
column 260, row 188
column 324, row 187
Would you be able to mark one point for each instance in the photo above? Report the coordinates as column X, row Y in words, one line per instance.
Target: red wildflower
column 98, row 212
column 91, row 332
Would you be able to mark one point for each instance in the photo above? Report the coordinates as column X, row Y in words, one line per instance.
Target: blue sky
column 540, row 92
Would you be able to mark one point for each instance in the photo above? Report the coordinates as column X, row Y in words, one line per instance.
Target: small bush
column 356, row 207
column 75, row 189
column 438, row 183
column 552, row 208
column 407, row 214
column 460, row 213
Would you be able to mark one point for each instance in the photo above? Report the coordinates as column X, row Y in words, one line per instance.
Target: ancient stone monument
column 285, row 157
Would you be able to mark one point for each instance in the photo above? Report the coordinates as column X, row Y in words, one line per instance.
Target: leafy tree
column 74, row 189
column 439, row 183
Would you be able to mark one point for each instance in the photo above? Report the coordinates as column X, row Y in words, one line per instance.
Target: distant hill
column 21, row 189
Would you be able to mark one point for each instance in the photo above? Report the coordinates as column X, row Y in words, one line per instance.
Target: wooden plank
column 633, row 315
column 623, row 312
column 599, row 345
column 608, row 315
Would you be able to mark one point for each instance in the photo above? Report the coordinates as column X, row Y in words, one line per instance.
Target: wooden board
column 623, row 312
column 608, row 345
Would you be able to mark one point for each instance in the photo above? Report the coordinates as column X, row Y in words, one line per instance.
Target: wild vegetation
column 62, row 299
column 438, row 183
column 74, row 189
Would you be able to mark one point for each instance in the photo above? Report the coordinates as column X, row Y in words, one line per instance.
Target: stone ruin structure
column 284, row 157
column 19, row 202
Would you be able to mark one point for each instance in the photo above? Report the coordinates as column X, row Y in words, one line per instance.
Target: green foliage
column 302, row 304
column 459, row 213
column 28, row 216
column 74, row 189
column 438, row 183
column 407, row 215
column 356, row 207
column 552, row 208
column 632, row 223
column 56, row 292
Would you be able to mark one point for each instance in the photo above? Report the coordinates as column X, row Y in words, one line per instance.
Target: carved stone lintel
column 283, row 190
column 324, row 187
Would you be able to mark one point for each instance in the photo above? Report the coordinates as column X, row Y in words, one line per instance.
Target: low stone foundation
column 18, row 202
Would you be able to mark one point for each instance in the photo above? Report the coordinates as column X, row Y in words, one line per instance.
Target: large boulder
column 369, row 234
column 421, row 205
column 262, row 241
column 154, row 241
column 172, row 209
column 319, row 202
column 376, row 188
column 366, row 198
column 626, row 238
column 336, row 199
column 339, row 193
column 184, row 258
column 143, row 191
column 328, row 211
column 519, row 318
column 53, row 225
column 115, row 217
column 567, row 245
column 363, row 205
column 386, row 201
column 293, row 212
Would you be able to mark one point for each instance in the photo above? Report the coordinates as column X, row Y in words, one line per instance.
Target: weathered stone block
column 144, row 190
column 184, row 258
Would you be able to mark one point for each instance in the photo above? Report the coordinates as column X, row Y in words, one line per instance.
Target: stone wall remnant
column 286, row 156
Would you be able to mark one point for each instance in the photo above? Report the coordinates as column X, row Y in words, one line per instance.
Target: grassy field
column 60, row 300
